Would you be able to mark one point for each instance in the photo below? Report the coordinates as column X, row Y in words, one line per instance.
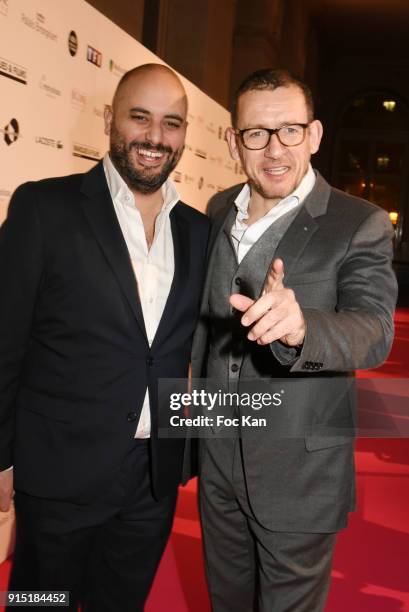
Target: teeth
column 277, row 171
column 147, row 153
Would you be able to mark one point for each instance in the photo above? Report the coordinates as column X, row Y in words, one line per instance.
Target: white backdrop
column 60, row 62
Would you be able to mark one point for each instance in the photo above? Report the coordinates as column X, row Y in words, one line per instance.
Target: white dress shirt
column 154, row 267
column 243, row 235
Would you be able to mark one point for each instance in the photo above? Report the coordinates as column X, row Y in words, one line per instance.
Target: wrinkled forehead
column 282, row 104
column 155, row 91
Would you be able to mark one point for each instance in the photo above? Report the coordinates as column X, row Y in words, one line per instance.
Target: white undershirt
column 154, row 267
column 243, row 235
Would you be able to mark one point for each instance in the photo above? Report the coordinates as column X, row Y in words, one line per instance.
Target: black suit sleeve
column 21, row 264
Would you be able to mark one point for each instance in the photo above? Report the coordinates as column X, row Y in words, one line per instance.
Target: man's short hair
column 271, row 78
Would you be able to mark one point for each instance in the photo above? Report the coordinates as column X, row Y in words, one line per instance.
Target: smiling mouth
column 276, row 171
column 149, row 157
column 153, row 154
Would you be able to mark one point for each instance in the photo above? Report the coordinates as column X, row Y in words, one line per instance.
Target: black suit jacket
column 74, row 358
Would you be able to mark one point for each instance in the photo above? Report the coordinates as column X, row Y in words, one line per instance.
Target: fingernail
column 245, row 321
column 251, row 336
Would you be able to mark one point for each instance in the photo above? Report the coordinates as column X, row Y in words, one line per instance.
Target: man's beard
column 270, row 194
column 143, row 181
column 267, row 195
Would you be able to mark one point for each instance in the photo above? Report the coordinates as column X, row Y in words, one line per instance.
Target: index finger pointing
column 275, row 277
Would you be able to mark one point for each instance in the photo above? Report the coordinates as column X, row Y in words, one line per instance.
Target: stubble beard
column 266, row 195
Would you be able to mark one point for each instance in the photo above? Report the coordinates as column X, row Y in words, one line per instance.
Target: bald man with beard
column 101, row 275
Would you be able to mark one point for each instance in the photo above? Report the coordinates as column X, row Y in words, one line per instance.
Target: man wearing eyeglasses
column 299, row 293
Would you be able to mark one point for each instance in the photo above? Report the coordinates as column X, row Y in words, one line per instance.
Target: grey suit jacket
column 337, row 259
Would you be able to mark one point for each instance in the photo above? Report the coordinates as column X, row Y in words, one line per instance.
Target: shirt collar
column 306, row 185
column 300, row 193
column 119, row 190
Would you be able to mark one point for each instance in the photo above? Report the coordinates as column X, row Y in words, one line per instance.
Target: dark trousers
column 105, row 553
column 248, row 566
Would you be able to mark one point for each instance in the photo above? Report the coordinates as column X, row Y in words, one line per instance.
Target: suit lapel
column 99, row 210
column 219, row 222
column 295, row 240
column 181, row 250
column 304, row 226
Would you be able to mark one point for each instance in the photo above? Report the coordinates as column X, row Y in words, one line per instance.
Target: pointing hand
column 276, row 315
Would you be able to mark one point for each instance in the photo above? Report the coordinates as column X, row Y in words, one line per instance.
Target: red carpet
column 371, row 565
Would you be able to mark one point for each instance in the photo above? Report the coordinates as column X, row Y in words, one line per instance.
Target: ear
column 315, row 132
column 232, row 140
column 108, row 115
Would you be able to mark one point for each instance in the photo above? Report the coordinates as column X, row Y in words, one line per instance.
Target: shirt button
column 131, row 416
column 235, row 367
column 149, row 361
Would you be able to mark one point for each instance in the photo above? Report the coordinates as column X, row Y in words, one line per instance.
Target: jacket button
column 149, row 361
column 131, row 416
column 307, row 365
column 234, row 367
column 237, row 280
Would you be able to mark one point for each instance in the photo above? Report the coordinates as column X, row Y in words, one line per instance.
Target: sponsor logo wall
column 59, row 66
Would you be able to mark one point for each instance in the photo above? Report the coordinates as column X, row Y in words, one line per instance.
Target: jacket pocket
column 327, row 435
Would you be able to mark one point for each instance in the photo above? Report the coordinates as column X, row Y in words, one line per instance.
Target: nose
column 274, row 148
column 154, row 133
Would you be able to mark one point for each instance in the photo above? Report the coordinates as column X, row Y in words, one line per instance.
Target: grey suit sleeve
column 359, row 333
column 20, row 272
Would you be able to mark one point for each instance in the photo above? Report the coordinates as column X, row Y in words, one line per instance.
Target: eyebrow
column 261, row 126
column 139, row 109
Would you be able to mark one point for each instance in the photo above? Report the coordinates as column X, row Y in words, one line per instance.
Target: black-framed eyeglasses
column 259, row 138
